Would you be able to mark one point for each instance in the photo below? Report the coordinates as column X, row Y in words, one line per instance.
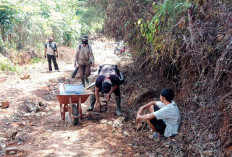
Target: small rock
column 27, row 114
column 103, row 121
column 21, row 137
column 139, row 126
column 207, row 153
column 30, row 107
column 5, row 104
column 12, row 152
column 41, row 104
column 10, row 149
column 25, row 77
column 2, row 139
column 11, row 134
column 118, row 122
column 36, row 109
column 149, row 154
column 167, row 145
column 126, row 133
column 1, row 153
column 61, row 79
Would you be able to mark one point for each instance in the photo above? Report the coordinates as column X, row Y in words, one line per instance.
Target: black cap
column 106, row 87
column 85, row 37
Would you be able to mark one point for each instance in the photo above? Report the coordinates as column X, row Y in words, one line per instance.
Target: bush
column 2, row 46
column 6, row 65
column 35, row 60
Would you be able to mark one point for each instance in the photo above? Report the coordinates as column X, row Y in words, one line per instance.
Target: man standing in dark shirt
column 108, row 81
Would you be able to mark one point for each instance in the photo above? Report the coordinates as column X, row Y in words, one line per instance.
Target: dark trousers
column 50, row 59
column 84, row 70
column 158, row 124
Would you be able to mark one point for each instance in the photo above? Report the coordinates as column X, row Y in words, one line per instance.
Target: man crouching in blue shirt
column 164, row 116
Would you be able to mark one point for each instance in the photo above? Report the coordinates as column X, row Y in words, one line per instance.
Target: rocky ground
column 31, row 125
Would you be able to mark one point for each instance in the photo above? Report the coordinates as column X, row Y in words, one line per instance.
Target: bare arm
column 45, row 51
column 145, row 117
column 141, row 109
column 98, row 104
column 111, row 91
column 57, row 51
column 97, row 94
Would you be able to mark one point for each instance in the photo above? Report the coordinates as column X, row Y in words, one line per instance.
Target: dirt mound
column 66, row 54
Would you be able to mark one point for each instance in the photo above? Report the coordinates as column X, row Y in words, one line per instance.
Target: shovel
column 75, row 72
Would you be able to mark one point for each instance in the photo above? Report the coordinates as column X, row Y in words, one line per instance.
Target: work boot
column 83, row 81
column 118, row 106
column 86, row 80
column 92, row 102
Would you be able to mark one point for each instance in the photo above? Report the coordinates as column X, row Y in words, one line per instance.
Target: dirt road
column 41, row 132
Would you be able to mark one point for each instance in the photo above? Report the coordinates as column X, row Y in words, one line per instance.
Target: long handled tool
column 75, row 72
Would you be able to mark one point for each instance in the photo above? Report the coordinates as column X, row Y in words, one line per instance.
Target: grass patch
column 7, row 65
column 35, row 60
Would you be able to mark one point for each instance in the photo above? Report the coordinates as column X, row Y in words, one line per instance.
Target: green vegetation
column 29, row 23
column 6, row 65
column 35, row 60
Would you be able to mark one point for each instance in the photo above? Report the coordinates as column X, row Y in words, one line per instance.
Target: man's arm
column 45, row 51
column 98, row 104
column 97, row 94
column 76, row 57
column 111, row 91
column 141, row 109
column 145, row 117
column 91, row 55
column 56, row 50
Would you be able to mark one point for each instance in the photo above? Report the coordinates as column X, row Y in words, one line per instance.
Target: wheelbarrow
column 71, row 103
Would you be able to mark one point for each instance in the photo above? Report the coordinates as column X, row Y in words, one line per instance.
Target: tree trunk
column 2, row 32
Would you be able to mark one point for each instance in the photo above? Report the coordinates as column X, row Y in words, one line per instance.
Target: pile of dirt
column 22, row 57
column 66, row 53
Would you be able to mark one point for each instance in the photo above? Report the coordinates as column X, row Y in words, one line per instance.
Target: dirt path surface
column 32, row 126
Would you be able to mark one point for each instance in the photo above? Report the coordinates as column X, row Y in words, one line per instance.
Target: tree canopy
column 30, row 22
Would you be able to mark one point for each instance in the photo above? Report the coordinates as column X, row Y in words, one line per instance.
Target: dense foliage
column 26, row 25
column 30, row 22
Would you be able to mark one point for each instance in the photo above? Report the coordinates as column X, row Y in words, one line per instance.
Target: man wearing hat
column 108, row 81
column 51, row 53
column 84, row 57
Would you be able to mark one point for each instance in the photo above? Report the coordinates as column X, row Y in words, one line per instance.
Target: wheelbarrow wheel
column 75, row 113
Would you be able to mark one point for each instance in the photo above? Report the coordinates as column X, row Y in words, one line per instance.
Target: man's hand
column 108, row 96
column 98, row 106
column 45, row 56
column 138, row 119
column 56, row 55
